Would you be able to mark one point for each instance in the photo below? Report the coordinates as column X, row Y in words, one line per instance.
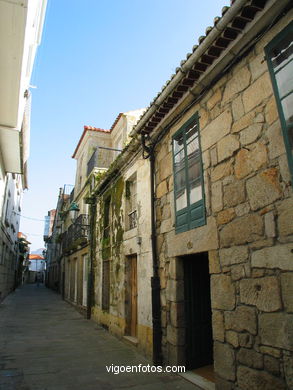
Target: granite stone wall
column 248, row 235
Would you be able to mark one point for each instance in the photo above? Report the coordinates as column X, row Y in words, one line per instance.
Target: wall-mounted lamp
column 73, row 211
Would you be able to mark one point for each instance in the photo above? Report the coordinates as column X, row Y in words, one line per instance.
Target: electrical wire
column 33, row 219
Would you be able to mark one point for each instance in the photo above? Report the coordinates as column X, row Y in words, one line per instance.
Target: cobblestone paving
column 46, row 345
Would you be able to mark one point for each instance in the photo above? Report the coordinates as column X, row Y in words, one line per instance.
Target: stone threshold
column 198, row 380
column 131, row 340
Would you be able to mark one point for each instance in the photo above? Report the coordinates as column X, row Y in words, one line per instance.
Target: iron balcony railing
column 77, row 233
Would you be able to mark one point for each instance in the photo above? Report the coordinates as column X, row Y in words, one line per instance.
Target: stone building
column 121, row 249
column 220, row 132
column 95, row 152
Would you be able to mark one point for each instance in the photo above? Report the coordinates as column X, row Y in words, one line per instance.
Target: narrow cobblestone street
column 46, row 345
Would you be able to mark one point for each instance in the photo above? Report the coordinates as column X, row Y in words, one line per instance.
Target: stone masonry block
column 237, row 108
column 251, row 379
column 233, row 255
column 264, row 293
column 214, row 262
column 276, row 330
column 270, row 227
column 257, row 92
column 214, row 99
column 175, row 336
column 237, row 84
column 251, row 134
column 285, row 218
column 263, row 189
column 217, row 196
column 276, row 140
column 250, row 358
column 243, row 122
column 175, row 290
column 227, row 146
column 222, row 170
column 218, row 325
column 222, row 292
column 225, row 216
column 162, row 189
column 177, row 314
column 224, row 360
column 271, row 111
column 279, row 256
column 250, row 160
column 242, row 319
column 232, row 338
column 287, row 290
column 216, row 130
column 234, row 193
column 242, row 230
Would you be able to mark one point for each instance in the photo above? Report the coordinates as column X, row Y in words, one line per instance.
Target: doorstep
column 131, row 340
column 202, row 377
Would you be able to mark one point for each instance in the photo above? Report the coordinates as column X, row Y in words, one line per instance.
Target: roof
column 210, row 47
column 35, row 257
column 116, row 120
column 85, row 129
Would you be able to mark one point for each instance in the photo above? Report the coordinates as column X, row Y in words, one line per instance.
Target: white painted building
column 21, row 25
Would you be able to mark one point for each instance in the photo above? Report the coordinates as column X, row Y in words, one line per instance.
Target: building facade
column 21, row 29
column 221, row 135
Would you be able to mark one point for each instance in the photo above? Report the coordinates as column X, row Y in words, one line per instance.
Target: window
column 279, row 54
column 131, row 207
column 188, row 181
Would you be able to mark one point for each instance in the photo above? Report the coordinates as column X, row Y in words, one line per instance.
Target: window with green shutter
column 188, row 177
column 279, row 55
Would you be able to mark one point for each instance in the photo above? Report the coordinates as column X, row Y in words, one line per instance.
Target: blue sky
column 98, row 58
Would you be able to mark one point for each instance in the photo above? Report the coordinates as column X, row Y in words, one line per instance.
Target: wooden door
column 133, row 283
column 199, row 342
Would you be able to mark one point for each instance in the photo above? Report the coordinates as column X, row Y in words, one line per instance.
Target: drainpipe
column 91, row 257
column 155, row 279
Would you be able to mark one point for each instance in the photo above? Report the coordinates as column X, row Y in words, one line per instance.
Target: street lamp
column 73, row 211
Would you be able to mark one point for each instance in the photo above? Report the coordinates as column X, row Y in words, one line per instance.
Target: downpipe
column 155, row 279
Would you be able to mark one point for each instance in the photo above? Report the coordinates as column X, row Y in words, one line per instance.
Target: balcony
column 102, row 158
column 77, row 233
column 92, row 163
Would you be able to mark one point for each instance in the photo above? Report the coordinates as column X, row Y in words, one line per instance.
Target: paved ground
column 46, row 345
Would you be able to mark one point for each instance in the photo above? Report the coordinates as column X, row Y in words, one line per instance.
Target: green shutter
column 188, row 177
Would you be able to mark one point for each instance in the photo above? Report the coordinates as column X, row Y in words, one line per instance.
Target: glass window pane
column 181, row 200
column 284, row 79
column 287, row 105
column 179, row 158
column 191, row 131
column 282, row 53
column 192, row 147
column 194, row 170
column 195, row 192
column 180, row 181
column 178, row 143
